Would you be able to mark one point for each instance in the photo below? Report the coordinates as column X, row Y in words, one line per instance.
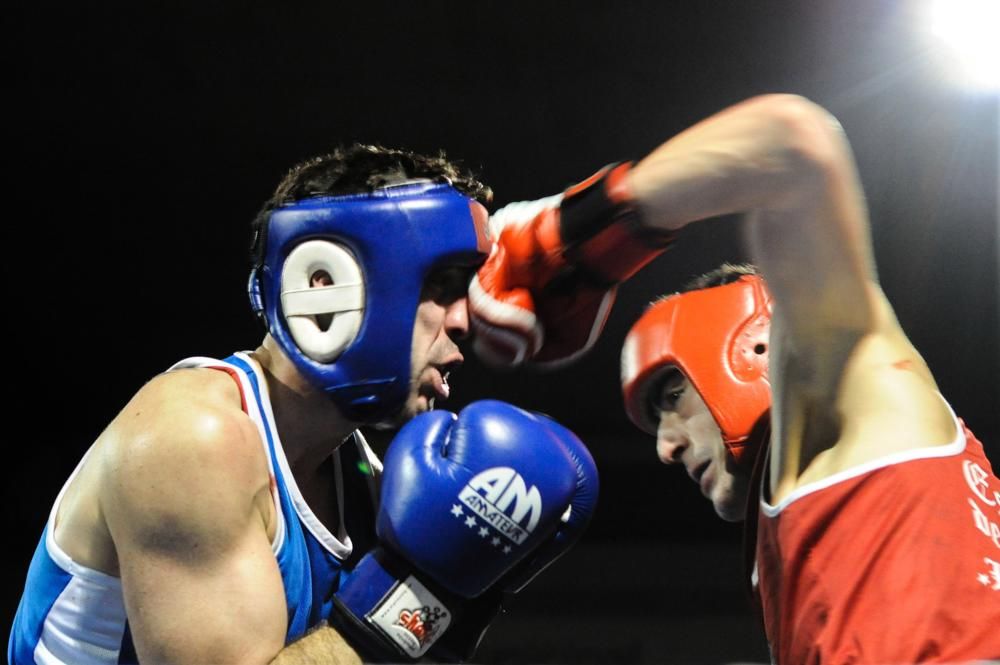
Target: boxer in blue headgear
column 373, row 251
column 212, row 519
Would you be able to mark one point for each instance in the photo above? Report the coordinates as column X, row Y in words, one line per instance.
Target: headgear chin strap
column 718, row 337
column 378, row 249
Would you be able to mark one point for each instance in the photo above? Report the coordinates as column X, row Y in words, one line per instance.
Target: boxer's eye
column 669, row 398
column 446, row 285
column 670, row 392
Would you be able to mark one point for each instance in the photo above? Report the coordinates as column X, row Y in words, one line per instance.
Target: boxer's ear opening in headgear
column 318, row 279
column 302, row 303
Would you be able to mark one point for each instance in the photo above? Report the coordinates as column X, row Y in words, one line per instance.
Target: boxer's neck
column 309, row 423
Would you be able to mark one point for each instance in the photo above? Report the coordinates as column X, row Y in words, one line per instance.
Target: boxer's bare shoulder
column 194, row 411
column 182, row 432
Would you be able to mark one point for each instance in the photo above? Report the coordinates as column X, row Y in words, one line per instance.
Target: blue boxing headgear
column 379, row 248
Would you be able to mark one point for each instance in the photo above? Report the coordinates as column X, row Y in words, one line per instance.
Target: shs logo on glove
column 422, row 622
column 500, row 497
column 411, row 616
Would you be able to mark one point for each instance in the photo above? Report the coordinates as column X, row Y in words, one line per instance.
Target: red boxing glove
column 546, row 290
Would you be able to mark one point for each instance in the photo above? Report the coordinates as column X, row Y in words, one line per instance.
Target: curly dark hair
column 724, row 274
column 359, row 168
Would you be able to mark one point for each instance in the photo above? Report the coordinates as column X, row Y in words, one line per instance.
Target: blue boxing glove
column 472, row 505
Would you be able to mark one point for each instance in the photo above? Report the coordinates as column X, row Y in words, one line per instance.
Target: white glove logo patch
column 500, row 497
column 411, row 616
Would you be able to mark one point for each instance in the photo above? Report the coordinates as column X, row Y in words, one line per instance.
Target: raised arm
column 544, row 293
column 785, row 160
column 188, row 506
column 837, row 352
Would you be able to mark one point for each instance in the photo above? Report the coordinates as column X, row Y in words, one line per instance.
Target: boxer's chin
column 415, row 405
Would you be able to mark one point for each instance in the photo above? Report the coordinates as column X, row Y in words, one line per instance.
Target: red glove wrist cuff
column 600, row 227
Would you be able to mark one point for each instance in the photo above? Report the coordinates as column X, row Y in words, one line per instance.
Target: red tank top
column 896, row 561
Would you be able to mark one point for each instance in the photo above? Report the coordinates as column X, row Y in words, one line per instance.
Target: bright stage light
column 969, row 30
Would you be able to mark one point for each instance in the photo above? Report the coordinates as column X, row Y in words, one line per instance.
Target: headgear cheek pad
column 378, row 249
column 718, row 337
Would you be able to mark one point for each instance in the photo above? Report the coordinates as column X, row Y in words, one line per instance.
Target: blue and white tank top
column 73, row 615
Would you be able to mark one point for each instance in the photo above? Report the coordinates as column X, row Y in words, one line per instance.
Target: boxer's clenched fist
column 473, row 505
column 547, row 288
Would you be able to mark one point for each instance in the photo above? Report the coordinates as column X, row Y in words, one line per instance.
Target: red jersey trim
column 954, row 447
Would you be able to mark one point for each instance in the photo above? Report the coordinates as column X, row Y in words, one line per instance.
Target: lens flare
column 968, row 31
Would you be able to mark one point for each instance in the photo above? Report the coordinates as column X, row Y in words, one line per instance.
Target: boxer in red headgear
column 695, row 375
column 878, row 525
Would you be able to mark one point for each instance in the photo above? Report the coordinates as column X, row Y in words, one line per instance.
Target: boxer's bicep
column 813, row 243
column 815, row 252
column 199, row 578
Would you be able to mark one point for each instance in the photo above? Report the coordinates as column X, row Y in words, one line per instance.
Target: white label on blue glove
column 501, row 498
column 411, row 616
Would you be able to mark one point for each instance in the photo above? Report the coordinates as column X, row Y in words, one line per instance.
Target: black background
column 141, row 140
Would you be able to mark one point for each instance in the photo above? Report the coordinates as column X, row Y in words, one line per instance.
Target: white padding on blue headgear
column 300, row 303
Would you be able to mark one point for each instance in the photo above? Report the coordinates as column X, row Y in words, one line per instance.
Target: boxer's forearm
column 322, row 646
column 755, row 155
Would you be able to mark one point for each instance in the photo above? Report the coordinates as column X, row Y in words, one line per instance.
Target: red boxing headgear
column 718, row 337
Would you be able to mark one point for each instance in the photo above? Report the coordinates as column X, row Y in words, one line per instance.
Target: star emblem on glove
column 483, row 532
